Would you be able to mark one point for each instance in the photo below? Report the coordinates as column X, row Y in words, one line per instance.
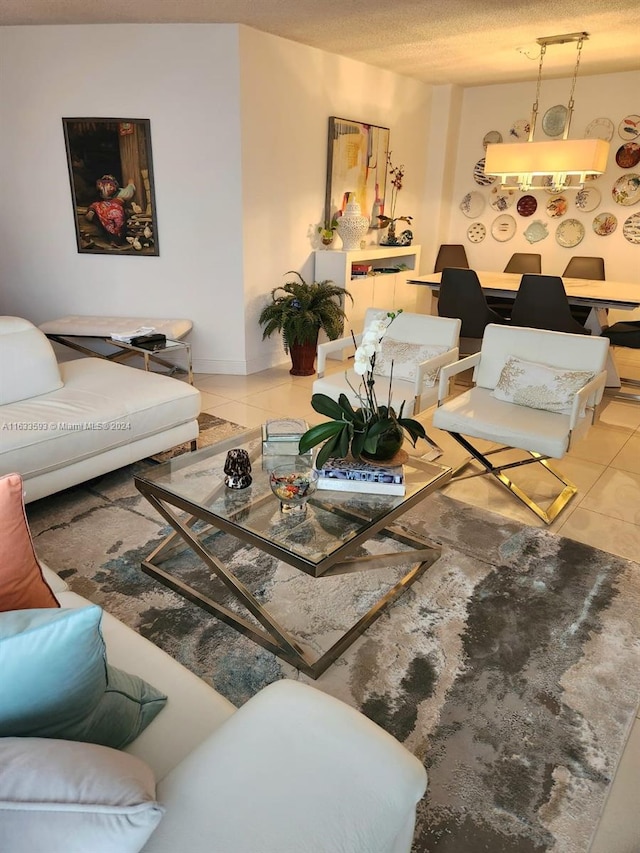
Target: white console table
column 388, row 291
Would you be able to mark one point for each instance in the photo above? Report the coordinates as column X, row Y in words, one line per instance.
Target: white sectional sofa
column 63, row 424
column 293, row 771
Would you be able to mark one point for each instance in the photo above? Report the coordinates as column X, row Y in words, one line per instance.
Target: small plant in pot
column 327, row 232
column 372, row 431
column 298, row 311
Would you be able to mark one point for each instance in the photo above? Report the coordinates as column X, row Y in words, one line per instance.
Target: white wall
column 239, row 128
column 496, row 108
column 288, row 93
column 185, row 79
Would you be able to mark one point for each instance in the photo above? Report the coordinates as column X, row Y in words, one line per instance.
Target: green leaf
column 345, row 440
column 329, row 449
column 357, row 444
column 324, row 405
column 379, row 427
column 414, row 428
column 347, row 408
column 318, row 433
column 370, row 442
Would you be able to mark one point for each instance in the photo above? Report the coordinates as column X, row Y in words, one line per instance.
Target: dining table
column 595, row 294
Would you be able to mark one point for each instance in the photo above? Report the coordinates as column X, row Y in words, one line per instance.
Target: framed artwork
column 112, row 191
column 356, row 163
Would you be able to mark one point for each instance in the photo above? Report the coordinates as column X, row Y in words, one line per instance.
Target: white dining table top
column 598, row 294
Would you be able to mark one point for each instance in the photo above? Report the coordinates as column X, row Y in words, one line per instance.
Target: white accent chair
column 419, row 389
column 543, row 434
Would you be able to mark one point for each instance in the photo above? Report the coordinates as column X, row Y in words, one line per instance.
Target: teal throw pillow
column 55, row 680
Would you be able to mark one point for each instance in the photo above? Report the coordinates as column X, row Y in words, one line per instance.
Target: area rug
column 212, row 429
column 510, row 668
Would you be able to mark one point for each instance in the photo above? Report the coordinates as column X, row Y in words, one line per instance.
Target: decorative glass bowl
column 293, row 484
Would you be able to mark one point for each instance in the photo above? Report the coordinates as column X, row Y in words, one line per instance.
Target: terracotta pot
column 303, row 358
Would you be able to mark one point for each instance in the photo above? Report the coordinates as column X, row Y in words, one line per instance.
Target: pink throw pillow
column 22, row 585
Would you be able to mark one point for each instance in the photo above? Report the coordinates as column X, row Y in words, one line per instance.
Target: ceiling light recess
column 549, row 165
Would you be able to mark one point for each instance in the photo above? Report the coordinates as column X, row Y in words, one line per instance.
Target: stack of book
column 359, row 270
column 281, row 436
column 351, row 475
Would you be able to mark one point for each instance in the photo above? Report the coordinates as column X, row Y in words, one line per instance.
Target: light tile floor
column 605, row 513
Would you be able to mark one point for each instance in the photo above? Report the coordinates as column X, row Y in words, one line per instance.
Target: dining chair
column 624, row 334
column 414, row 349
column 519, row 262
column 461, row 296
column 451, row 255
column 581, row 266
column 541, row 303
column 523, row 404
column 524, row 262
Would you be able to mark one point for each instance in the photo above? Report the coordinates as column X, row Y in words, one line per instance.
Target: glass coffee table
column 324, row 540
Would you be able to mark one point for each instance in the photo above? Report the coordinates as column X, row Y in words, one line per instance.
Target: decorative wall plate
column 494, row 137
column 554, row 120
column 479, row 176
column 501, row 199
column 587, row 199
column 600, row 128
column 473, row 204
column 527, row 205
column 569, row 233
column 605, row 224
column 476, row 232
column 520, row 129
column 629, row 127
column 538, row 230
column 628, row 155
column 503, row 228
column 626, row 189
column 631, row 229
column 557, row 206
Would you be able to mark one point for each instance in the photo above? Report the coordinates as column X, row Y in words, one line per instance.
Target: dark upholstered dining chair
column 585, row 267
column 451, row 255
column 541, row 303
column 519, row 262
column 524, row 262
column 461, row 296
column 582, row 266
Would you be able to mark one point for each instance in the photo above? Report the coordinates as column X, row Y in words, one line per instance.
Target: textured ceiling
column 465, row 42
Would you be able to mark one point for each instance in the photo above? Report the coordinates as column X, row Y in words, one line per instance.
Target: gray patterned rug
column 510, row 668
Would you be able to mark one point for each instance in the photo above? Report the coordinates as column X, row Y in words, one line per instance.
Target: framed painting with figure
column 112, row 191
column 356, row 163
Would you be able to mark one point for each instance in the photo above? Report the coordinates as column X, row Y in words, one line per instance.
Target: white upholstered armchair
column 418, row 344
column 534, row 390
column 414, row 349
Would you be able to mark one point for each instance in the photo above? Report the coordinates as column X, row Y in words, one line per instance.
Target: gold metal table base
column 269, row 633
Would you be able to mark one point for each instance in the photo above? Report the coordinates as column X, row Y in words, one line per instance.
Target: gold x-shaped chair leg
column 547, row 515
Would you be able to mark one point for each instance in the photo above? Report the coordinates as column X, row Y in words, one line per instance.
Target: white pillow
column 68, row 797
column 406, row 357
column 539, row 386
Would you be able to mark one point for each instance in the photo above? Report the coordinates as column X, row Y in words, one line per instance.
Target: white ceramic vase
column 352, row 227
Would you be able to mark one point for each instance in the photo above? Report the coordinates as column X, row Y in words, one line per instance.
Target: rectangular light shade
column 564, row 156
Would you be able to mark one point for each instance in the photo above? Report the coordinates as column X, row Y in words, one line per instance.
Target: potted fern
column 298, row 311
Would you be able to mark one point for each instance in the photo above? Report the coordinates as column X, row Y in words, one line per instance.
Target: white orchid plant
column 364, row 429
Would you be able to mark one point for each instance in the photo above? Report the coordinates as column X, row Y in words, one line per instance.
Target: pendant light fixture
column 529, row 163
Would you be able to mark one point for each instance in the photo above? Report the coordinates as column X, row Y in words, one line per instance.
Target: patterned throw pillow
column 539, row 386
column 406, row 357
